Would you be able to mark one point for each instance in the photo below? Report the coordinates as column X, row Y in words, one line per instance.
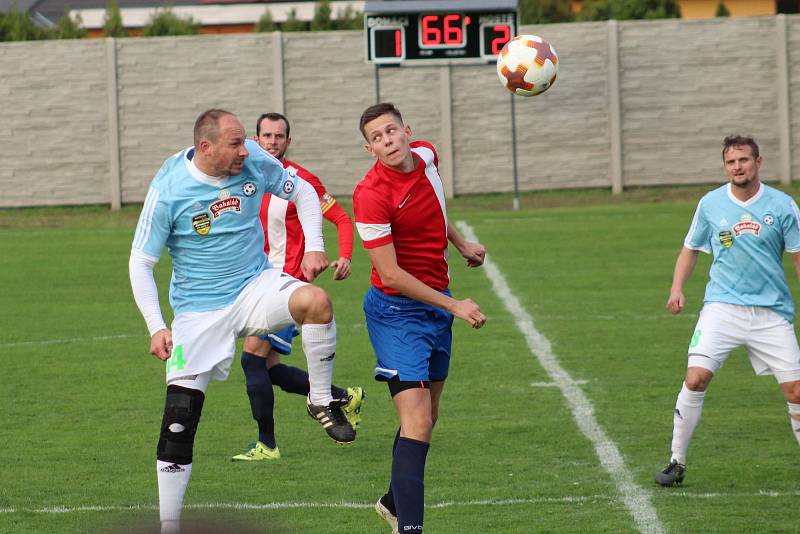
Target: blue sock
column 408, row 483
column 388, row 499
column 262, row 400
column 295, row 380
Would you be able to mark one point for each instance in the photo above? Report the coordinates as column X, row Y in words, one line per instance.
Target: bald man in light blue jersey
column 203, row 205
column 746, row 225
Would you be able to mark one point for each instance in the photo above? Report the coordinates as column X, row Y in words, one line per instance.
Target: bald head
column 207, row 125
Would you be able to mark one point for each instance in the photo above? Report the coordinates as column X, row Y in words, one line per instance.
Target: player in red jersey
column 284, row 244
column 401, row 217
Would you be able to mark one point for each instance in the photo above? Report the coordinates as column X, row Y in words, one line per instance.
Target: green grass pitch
column 82, row 399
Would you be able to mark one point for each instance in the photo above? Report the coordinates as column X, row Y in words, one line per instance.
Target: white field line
column 554, row 385
column 70, row 340
column 143, row 335
column 667, row 493
column 636, row 499
column 295, row 504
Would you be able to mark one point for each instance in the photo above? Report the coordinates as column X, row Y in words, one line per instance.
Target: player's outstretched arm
column 392, row 275
column 684, row 266
column 474, row 253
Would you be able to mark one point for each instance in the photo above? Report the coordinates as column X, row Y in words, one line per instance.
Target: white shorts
column 768, row 337
column 204, row 342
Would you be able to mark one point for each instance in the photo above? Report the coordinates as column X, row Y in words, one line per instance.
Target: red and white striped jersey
column 284, row 242
column 408, row 210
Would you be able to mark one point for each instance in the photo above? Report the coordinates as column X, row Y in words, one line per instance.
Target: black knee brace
column 181, row 416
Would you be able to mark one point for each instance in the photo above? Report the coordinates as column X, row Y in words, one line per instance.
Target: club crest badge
column 201, row 223
column 726, row 238
column 769, row 220
column 249, row 189
column 288, row 186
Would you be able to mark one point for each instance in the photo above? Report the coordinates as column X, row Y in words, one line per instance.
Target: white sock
column 688, row 408
column 172, row 482
column 319, row 344
column 794, row 410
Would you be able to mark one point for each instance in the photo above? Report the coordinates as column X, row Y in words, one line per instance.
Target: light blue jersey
column 747, row 240
column 210, row 227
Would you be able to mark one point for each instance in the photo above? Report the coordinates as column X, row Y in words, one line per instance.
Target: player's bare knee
column 791, row 392
column 182, row 410
column 698, row 379
column 419, row 428
column 311, row 305
column 256, row 345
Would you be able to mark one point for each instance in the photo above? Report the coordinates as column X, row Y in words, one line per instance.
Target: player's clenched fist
column 161, row 344
column 675, row 302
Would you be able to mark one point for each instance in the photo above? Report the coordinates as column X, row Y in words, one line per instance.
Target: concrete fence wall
column 636, row 103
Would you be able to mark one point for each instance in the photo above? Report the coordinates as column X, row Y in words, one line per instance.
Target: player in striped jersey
column 402, row 220
column 746, row 225
column 285, row 245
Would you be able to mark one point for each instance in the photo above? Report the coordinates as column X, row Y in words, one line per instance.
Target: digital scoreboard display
column 467, row 31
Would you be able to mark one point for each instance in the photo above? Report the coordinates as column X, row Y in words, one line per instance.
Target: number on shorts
column 176, row 361
column 695, row 339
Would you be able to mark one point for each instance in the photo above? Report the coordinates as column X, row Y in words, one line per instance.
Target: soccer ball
column 527, row 65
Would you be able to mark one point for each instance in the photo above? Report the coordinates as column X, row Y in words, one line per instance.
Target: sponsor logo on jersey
column 223, row 194
column 201, row 223
column 288, row 186
column 403, row 203
column 228, row 205
column 249, row 189
column 197, row 206
column 769, row 220
column 726, row 238
column 747, row 226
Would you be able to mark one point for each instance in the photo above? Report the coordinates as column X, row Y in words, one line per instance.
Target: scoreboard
column 414, row 31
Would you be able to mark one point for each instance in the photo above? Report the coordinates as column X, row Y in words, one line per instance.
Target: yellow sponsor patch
column 726, row 238
column 201, row 223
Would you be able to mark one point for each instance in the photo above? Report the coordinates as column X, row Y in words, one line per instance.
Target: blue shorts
column 412, row 340
column 281, row 340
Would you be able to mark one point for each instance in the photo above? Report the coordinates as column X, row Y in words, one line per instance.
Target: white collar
column 749, row 201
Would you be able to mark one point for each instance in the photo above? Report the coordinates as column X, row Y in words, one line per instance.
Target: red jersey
column 284, row 241
column 408, row 210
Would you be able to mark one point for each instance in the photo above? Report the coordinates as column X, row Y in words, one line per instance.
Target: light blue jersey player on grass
column 203, row 205
column 746, row 225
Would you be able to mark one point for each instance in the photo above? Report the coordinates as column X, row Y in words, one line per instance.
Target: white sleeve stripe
column 370, row 232
column 796, row 212
column 701, row 249
column 146, row 219
column 693, row 226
